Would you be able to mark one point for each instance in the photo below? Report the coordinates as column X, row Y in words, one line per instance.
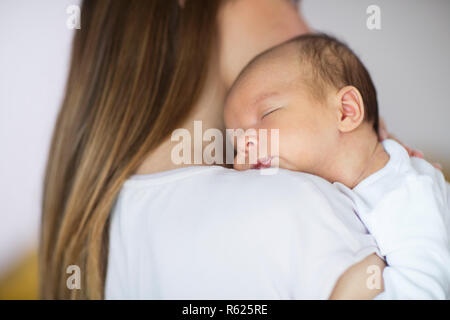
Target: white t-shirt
column 405, row 207
column 216, row 233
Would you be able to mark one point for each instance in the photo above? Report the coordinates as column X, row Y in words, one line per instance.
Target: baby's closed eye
column 270, row 112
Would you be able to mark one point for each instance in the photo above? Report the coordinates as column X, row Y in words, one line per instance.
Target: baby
column 320, row 97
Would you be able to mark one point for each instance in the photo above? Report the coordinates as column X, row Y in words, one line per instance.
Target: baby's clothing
column 405, row 207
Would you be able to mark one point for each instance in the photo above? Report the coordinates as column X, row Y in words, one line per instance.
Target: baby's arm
column 352, row 285
column 410, row 227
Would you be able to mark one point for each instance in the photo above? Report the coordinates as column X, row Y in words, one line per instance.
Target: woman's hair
column 137, row 69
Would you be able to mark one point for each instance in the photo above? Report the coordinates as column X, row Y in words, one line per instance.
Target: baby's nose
column 246, row 142
column 252, row 142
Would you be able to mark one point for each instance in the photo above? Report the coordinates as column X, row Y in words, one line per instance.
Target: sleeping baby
column 319, row 96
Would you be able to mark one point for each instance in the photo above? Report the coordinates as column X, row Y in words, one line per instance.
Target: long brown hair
column 137, row 68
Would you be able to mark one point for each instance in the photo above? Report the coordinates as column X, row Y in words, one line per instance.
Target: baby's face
column 273, row 96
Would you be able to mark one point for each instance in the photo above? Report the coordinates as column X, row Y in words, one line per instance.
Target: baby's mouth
column 263, row 163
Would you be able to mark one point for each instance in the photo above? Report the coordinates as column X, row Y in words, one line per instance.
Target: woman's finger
column 383, row 135
column 382, row 131
column 417, row 154
column 408, row 149
column 437, row 166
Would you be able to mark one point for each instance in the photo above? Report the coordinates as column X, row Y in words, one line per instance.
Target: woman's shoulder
column 218, row 188
column 205, row 196
column 234, row 223
column 216, row 179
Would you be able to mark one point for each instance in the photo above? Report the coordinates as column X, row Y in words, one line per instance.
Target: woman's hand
column 383, row 135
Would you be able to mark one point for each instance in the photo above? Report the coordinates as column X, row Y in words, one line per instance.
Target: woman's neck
column 208, row 110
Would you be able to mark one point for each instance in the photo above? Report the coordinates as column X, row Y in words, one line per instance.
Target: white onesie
column 405, row 207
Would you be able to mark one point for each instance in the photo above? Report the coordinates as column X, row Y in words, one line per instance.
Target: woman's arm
column 354, row 283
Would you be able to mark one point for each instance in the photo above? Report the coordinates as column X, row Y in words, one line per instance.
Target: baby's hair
column 335, row 64
column 328, row 63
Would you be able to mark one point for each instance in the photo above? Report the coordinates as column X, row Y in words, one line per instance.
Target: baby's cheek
column 295, row 153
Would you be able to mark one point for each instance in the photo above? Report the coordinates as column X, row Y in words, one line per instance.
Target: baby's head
column 315, row 90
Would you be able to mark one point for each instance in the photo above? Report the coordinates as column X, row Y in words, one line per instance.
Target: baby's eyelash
column 266, row 114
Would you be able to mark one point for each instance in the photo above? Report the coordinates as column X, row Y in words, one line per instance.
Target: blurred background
column 408, row 60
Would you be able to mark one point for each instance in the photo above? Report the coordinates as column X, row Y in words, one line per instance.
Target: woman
column 141, row 69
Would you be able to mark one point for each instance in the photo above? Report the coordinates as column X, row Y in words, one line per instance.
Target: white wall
column 34, row 56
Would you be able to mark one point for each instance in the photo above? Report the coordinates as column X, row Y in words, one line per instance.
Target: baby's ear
column 350, row 109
